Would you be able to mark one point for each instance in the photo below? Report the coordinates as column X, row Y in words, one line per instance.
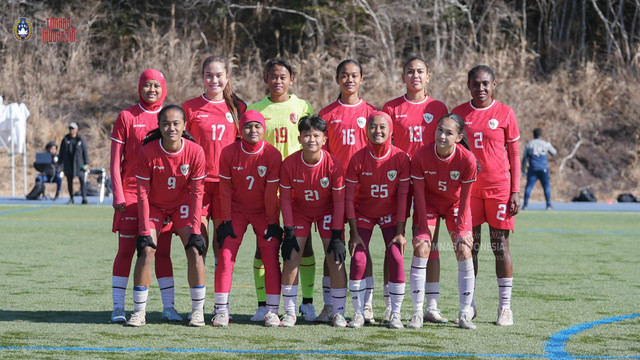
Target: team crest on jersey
column 229, row 117
column 493, row 124
column 262, row 170
column 361, row 122
column 391, row 175
column 455, row 175
column 324, row 182
column 293, row 117
column 428, row 118
column 184, row 169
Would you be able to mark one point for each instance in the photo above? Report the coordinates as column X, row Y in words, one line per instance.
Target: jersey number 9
column 171, row 183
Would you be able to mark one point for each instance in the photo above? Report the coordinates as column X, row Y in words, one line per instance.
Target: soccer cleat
column 505, row 317
column 138, row 318
column 325, row 314
column 475, row 313
column 464, row 320
column 261, row 311
column 386, row 316
column 415, row 322
column 271, row 319
column 308, row 311
column 549, row 207
column 357, row 321
column 338, row 320
column 395, row 322
column 118, row 315
column 435, row 316
column 85, row 201
column 220, row 320
column 170, row 314
column 197, row 318
column 288, row 320
column 367, row 311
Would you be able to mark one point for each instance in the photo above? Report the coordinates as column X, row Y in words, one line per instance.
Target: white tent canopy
column 13, row 136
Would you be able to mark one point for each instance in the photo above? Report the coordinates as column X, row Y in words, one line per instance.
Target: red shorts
column 303, row 223
column 365, row 222
column 211, row 200
column 491, row 206
column 450, row 216
column 179, row 215
column 127, row 221
column 258, row 221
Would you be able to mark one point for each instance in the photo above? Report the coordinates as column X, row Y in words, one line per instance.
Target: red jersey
column 378, row 181
column 249, row 173
column 489, row 131
column 414, row 123
column 315, row 188
column 130, row 128
column 346, row 128
column 170, row 174
column 212, row 125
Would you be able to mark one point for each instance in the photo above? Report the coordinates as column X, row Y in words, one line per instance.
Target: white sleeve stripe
column 340, row 188
column 142, row 178
column 409, row 178
column 286, row 187
column 272, row 181
column 512, row 140
column 225, row 177
column 416, row 177
column 469, row 181
column 118, row 141
column 199, row 177
column 352, row 181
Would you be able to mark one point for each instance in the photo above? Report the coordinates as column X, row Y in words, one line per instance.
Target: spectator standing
column 74, row 159
column 535, row 154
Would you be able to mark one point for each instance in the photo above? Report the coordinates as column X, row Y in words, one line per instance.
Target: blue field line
column 586, row 232
column 555, row 347
column 25, row 209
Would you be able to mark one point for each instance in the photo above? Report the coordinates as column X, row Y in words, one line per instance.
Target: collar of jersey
column 350, row 105
column 170, row 153
column 493, row 101
column 435, row 149
column 383, row 157
column 251, row 153
column 149, row 111
column 314, row 165
column 415, row 102
column 211, row 101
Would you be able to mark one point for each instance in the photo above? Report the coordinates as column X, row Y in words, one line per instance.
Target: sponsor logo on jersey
column 455, row 175
column 139, row 125
column 367, row 173
column 428, row 118
column 158, row 167
column 401, row 116
column 22, row 29
column 335, row 121
column 154, row 220
column 430, row 216
column 129, row 218
column 128, row 236
column 298, row 180
column 429, row 172
column 202, row 116
column 293, row 117
column 493, row 124
column 184, row 169
column 361, row 122
column 324, row 182
column 364, row 220
column 468, row 122
column 262, row 170
column 239, row 168
column 392, row 174
column 229, row 117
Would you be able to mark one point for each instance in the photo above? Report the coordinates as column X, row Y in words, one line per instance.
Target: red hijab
column 380, row 150
column 152, row 74
column 247, row 117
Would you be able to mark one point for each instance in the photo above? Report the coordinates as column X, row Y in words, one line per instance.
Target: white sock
column 118, row 290
column 326, row 291
column 221, row 303
column 504, row 291
column 273, row 303
column 167, row 291
column 339, row 299
column 466, row 283
column 385, row 295
column 355, row 287
column 368, row 293
column 140, row 295
column 396, row 295
column 432, row 292
column 198, row 294
column 289, row 297
column 417, row 277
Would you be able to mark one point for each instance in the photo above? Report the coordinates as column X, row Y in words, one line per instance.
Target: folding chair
column 44, row 164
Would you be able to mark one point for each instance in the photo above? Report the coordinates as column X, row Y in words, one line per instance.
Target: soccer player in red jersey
column 312, row 192
column 129, row 130
column 212, row 119
column 443, row 173
column 170, row 175
column 415, row 116
column 249, row 176
column 377, row 185
column 495, row 198
column 346, row 133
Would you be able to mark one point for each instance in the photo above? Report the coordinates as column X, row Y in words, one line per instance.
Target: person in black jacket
column 51, row 173
column 74, row 159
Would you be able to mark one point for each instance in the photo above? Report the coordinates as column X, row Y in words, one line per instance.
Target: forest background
column 569, row 67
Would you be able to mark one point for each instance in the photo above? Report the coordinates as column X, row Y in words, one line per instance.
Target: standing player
column 346, row 133
column 312, row 192
column 415, row 117
column 129, row 130
column 281, row 113
column 495, row 198
column 443, row 172
column 377, row 185
column 212, row 119
column 249, row 172
column 170, row 178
